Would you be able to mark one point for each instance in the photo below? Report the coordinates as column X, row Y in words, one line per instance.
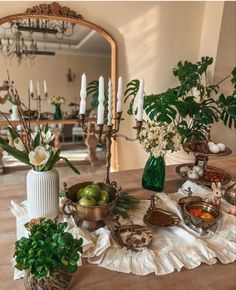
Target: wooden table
column 91, row 277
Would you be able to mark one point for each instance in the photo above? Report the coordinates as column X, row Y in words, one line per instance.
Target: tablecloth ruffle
column 172, row 248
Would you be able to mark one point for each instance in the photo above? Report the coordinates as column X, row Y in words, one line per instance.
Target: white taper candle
column 119, row 96
column 31, row 87
column 83, row 94
column 109, row 116
column 101, row 97
column 139, row 115
column 45, row 87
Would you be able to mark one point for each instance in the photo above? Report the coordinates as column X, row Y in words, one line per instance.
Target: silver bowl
column 230, row 194
column 89, row 217
column 198, row 224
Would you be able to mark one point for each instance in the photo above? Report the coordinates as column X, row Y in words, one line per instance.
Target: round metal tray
column 227, row 177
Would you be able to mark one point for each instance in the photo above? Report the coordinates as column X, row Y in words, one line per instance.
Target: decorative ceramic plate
column 208, row 176
column 134, row 237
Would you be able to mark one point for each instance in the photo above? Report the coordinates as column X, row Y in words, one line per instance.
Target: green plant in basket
column 47, row 251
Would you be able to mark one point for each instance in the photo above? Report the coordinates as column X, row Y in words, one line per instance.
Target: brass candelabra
column 109, row 133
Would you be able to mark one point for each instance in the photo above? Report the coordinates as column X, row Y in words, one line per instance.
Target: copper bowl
column 89, row 217
column 199, row 224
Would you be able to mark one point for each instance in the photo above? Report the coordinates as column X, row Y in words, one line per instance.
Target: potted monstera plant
column 49, row 256
column 193, row 105
column 190, row 108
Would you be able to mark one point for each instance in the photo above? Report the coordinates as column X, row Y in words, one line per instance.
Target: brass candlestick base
column 110, row 132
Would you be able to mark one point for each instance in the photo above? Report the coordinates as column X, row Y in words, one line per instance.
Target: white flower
column 48, row 137
column 19, row 145
column 39, row 156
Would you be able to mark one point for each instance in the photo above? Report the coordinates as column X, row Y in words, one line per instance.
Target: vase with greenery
column 36, row 150
column 193, row 105
column 57, row 101
column 49, row 256
column 157, row 138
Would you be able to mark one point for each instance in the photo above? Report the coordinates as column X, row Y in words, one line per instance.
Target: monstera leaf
column 228, row 107
column 158, row 107
column 92, row 90
column 195, row 131
column 189, row 74
column 131, row 92
column 161, row 108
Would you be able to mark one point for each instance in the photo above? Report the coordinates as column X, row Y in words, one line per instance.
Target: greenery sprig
column 48, row 249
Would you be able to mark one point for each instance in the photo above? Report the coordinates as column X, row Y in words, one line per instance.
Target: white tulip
column 48, row 137
column 39, row 156
column 19, row 145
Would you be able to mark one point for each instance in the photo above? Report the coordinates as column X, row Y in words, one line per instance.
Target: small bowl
column 89, row 217
column 199, row 224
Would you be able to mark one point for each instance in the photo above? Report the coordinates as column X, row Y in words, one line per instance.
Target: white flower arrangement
column 57, row 100
column 35, row 150
column 159, row 138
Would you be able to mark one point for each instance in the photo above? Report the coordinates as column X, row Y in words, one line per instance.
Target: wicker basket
column 60, row 280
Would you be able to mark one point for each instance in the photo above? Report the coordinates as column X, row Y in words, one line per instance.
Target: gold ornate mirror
column 86, row 36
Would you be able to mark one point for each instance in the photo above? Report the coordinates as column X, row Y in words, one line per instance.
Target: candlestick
column 119, row 96
column 109, row 117
column 38, row 89
column 101, row 97
column 140, row 101
column 83, row 94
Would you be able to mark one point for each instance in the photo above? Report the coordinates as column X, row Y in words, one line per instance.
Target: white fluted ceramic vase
column 43, row 193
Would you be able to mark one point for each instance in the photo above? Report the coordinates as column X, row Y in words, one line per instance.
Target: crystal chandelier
column 17, row 46
column 43, row 30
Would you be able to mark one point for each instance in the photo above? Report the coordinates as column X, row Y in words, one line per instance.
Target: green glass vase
column 154, row 174
column 57, row 114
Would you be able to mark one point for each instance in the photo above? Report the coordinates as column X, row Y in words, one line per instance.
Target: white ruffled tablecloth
column 172, row 248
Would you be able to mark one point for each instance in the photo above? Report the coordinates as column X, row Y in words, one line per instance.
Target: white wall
column 225, row 62
column 53, row 69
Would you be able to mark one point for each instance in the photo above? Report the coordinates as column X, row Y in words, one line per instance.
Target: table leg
column 57, row 135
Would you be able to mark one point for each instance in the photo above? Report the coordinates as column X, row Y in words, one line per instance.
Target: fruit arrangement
column 216, row 148
column 213, row 176
column 198, row 213
column 204, row 147
column 92, row 195
column 207, row 176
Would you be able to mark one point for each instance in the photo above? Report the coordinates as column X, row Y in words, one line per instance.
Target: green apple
column 93, row 190
column 87, row 201
column 105, row 196
column 102, row 202
column 80, row 193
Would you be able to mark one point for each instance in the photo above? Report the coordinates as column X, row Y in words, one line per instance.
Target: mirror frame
column 55, row 11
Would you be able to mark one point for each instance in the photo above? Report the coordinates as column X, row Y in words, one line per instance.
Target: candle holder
column 110, row 133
